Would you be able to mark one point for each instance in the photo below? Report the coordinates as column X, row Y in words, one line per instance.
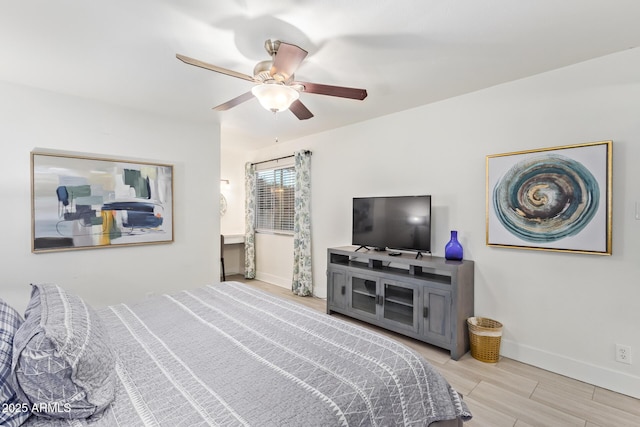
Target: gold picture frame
column 552, row 199
column 88, row 202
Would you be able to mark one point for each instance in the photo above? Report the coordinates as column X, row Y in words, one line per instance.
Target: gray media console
column 428, row 298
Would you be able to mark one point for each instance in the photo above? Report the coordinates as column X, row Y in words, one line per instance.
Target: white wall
column 31, row 118
column 563, row 312
column 232, row 222
column 232, row 169
column 274, row 258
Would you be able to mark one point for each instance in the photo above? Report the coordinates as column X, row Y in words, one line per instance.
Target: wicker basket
column 484, row 337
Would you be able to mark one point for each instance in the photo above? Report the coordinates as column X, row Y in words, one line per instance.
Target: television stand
column 428, row 298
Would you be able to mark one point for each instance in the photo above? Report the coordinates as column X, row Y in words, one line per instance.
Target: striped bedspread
column 231, row 355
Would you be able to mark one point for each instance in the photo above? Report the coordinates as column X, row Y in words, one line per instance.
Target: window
column 275, row 199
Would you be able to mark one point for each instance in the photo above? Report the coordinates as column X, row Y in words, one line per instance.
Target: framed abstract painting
column 556, row 199
column 85, row 202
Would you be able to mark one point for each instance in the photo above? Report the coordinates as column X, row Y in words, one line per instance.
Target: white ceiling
column 406, row 53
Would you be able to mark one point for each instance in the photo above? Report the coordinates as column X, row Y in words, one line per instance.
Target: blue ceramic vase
column 453, row 249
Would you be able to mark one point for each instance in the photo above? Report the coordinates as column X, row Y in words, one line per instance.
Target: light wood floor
column 509, row 393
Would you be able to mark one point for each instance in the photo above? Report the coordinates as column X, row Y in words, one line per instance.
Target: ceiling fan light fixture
column 275, row 97
column 276, row 89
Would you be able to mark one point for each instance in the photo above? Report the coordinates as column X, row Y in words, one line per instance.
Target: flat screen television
column 397, row 222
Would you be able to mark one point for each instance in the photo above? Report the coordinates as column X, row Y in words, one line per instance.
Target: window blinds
column 275, row 199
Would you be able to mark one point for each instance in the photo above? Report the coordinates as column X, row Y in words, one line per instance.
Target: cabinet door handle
column 379, row 299
column 425, row 312
column 343, row 290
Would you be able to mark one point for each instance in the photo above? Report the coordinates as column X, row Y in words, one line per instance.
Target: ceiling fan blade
column 235, row 101
column 215, row 68
column 300, row 111
column 287, row 60
column 342, row 92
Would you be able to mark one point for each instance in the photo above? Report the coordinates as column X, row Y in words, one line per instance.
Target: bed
column 227, row 354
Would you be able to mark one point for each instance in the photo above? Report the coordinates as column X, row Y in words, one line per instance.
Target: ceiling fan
column 276, row 87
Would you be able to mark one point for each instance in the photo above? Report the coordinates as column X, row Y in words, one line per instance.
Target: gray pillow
column 12, row 412
column 63, row 361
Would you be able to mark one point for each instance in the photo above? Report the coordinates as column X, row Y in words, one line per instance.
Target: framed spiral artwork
column 555, row 199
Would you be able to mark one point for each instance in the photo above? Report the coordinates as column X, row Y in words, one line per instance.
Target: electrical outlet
column 623, row 354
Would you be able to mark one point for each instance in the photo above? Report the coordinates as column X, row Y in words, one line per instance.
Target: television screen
column 398, row 222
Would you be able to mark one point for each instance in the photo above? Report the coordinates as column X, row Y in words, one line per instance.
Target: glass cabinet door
column 363, row 294
column 400, row 302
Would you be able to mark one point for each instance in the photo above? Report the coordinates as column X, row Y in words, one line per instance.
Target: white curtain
column 250, row 221
column 302, row 279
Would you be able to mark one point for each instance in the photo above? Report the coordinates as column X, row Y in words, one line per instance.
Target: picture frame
column 551, row 199
column 89, row 202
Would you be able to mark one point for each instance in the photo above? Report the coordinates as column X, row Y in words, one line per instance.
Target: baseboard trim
column 233, row 273
column 580, row 370
column 274, row 280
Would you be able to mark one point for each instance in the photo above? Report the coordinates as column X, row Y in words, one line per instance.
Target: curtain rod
column 279, row 158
